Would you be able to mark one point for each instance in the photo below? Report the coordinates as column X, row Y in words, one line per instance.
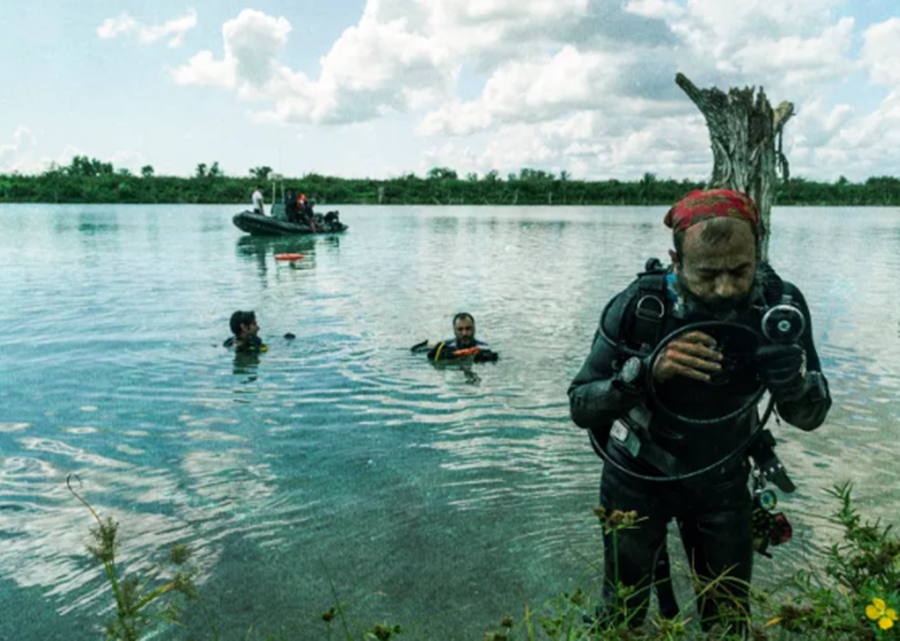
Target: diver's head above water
column 243, row 324
column 717, row 236
column 464, row 329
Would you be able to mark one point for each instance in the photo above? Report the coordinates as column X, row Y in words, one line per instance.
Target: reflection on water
column 263, row 249
column 246, row 364
column 341, row 457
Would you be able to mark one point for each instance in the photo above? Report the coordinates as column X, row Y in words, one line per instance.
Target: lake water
column 429, row 497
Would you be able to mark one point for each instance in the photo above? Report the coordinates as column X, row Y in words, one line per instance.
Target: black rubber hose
column 745, row 445
column 701, row 422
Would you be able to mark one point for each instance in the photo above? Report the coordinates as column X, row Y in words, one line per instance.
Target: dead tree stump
column 745, row 133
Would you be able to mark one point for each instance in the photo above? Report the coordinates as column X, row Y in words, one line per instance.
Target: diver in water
column 463, row 345
column 245, row 329
column 650, row 397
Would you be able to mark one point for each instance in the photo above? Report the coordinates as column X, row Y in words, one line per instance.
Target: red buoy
column 288, row 256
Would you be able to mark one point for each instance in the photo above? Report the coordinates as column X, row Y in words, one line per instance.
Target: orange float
column 288, row 256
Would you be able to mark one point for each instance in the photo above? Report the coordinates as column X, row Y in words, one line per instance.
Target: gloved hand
column 783, row 369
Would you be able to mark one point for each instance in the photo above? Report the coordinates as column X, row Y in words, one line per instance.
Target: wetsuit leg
column 630, row 555
column 717, row 537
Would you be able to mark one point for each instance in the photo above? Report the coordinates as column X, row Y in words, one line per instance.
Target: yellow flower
column 879, row 611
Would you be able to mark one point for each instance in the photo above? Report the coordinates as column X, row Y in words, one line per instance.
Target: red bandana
column 699, row 206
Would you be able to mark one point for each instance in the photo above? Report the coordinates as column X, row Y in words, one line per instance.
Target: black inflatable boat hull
column 259, row 225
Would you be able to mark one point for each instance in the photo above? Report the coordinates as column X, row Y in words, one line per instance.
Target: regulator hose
column 655, row 401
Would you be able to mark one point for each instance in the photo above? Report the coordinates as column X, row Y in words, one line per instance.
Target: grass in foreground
column 854, row 596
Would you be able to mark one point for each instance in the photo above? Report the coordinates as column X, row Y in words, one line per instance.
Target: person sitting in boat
column 463, row 345
column 305, row 208
column 244, row 329
column 303, row 205
column 258, row 201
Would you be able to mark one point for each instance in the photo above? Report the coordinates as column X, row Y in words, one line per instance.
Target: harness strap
column 650, row 309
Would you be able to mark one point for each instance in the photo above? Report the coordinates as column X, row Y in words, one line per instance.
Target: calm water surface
column 437, row 498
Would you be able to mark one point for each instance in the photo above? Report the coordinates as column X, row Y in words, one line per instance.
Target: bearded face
column 464, row 330
column 720, row 308
column 717, row 272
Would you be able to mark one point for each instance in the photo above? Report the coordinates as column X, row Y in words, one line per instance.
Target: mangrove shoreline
column 91, row 181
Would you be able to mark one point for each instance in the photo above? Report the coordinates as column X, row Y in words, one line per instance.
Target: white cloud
column 204, row 69
column 735, row 40
column 658, row 9
column 373, row 69
column 590, row 145
column 794, row 60
column 16, row 156
column 583, row 85
column 114, row 27
column 539, row 90
column 253, row 43
column 881, row 52
column 632, row 119
column 406, row 54
column 174, row 29
column 529, row 91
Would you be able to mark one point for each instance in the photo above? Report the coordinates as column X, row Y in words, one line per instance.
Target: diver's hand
column 783, row 369
column 692, row 355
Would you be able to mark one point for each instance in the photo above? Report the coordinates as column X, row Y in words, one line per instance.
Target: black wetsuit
column 290, row 209
column 714, row 509
column 444, row 351
column 251, row 345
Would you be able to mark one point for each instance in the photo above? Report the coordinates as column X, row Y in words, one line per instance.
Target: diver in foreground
column 670, row 391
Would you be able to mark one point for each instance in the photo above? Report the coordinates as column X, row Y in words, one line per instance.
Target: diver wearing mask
column 670, row 392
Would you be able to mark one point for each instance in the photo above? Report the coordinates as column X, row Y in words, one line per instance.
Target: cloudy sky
column 385, row 87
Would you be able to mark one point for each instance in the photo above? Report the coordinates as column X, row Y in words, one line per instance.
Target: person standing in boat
column 257, row 198
column 290, row 207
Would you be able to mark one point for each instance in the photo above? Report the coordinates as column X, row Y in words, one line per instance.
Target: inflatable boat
column 261, row 225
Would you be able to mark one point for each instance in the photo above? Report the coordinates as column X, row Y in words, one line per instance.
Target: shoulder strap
column 650, row 308
column 774, row 292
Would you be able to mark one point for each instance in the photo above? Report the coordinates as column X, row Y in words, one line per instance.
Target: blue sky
column 385, row 87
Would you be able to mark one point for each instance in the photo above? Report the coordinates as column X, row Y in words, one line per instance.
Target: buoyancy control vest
column 668, row 447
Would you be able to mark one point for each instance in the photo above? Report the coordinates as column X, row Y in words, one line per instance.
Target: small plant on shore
column 859, row 594
column 139, row 608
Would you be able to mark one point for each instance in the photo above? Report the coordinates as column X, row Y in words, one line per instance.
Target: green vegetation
column 854, row 596
column 87, row 180
column 139, row 608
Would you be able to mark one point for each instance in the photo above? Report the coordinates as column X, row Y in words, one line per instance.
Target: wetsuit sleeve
column 809, row 411
column 438, row 351
column 593, row 401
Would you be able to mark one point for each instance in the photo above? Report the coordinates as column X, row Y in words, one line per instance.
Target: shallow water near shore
column 439, row 498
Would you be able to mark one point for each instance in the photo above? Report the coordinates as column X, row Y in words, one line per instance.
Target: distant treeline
column 92, row 181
